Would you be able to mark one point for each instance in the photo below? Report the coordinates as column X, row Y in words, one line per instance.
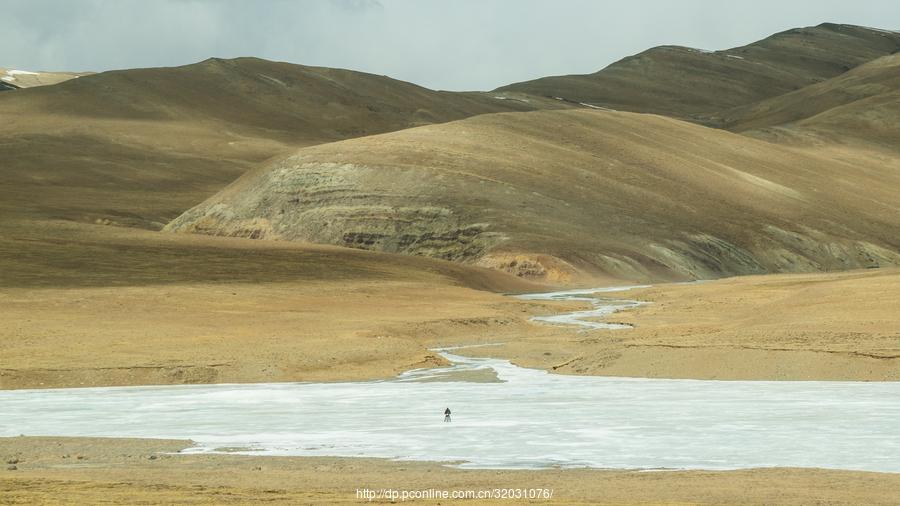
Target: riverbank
column 119, row 471
column 132, row 307
column 243, row 333
column 139, row 308
column 822, row 326
column 527, row 420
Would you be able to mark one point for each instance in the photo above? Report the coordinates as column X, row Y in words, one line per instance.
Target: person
column 447, row 415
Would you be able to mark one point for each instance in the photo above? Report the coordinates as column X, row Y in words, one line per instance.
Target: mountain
column 858, row 107
column 138, row 147
column 294, row 103
column 694, row 84
column 550, row 189
column 566, row 195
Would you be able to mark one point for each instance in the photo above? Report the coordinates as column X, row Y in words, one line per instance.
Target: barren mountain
column 138, row 147
column 558, row 195
column 859, row 108
column 552, row 195
column 695, row 84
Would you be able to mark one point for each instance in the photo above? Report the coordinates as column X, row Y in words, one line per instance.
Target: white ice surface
column 592, row 106
column 602, row 307
column 530, row 419
column 21, row 72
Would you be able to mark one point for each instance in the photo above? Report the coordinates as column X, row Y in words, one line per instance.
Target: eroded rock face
column 343, row 204
column 531, row 266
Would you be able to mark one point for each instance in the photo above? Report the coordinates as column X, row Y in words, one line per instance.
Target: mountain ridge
column 712, row 81
column 143, row 145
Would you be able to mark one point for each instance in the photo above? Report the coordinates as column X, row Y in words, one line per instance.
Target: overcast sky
column 444, row 44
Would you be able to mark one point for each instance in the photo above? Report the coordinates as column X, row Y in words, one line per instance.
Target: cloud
column 458, row 44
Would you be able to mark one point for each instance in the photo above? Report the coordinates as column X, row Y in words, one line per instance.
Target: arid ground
column 385, row 319
column 134, row 471
column 824, row 326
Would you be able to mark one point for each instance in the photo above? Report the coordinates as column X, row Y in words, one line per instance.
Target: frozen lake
column 527, row 419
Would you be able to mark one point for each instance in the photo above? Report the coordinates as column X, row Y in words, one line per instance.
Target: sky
column 441, row 44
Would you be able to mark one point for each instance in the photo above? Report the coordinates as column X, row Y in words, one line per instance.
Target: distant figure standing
column 447, row 415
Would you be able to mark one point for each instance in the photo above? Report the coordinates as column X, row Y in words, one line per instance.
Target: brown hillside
column 859, row 109
column 691, row 83
column 853, row 89
column 138, row 147
column 557, row 194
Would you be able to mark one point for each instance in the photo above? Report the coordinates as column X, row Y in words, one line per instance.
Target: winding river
column 526, row 418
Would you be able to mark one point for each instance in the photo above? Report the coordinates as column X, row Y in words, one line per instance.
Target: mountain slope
column 691, row 83
column 138, row 147
column 557, row 195
column 859, row 108
column 878, row 77
column 294, row 103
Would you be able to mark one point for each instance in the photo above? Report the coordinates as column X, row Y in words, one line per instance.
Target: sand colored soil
column 208, row 333
column 824, row 326
column 299, row 312
column 87, row 305
column 133, row 471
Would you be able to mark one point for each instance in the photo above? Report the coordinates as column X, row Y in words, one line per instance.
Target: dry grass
column 99, row 305
column 575, row 194
column 839, row 326
column 689, row 83
column 877, row 77
column 138, row 147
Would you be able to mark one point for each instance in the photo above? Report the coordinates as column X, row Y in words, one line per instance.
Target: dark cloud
column 452, row 44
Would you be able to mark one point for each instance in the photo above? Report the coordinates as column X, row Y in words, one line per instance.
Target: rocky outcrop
column 343, row 204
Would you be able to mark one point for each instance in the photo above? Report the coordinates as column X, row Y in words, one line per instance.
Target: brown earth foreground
column 134, row 471
column 87, row 305
column 373, row 315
